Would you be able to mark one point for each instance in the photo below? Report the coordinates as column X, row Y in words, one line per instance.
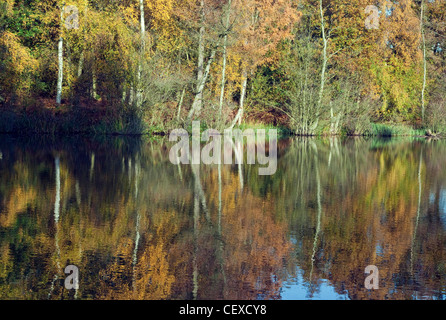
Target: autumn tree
column 262, row 25
column 435, row 42
column 17, row 64
column 206, row 16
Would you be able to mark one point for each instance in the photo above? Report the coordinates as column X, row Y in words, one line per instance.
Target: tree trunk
column 200, row 66
column 196, row 106
column 143, row 25
column 243, row 96
column 94, row 85
column 80, row 68
column 131, row 95
column 142, row 51
column 324, row 57
column 223, row 71
column 239, row 117
column 92, row 159
column 124, row 94
column 60, row 63
column 81, row 65
column 180, row 104
column 423, row 91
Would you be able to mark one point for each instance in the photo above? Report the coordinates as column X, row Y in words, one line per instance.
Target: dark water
column 139, row 227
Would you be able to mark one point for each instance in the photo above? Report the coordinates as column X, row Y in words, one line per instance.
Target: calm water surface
column 139, row 227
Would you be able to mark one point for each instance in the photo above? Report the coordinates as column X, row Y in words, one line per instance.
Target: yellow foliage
column 16, row 64
column 162, row 22
column 233, row 75
column 160, row 11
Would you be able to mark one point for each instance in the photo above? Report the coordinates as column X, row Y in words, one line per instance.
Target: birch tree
column 262, row 26
column 423, row 44
column 139, row 94
column 225, row 44
column 324, row 55
column 200, row 71
column 60, row 60
column 208, row 41
column 196, row 106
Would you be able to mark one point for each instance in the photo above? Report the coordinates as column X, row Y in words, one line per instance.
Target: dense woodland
column 311, row 66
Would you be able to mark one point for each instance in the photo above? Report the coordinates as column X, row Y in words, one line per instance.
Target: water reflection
column 139, row 227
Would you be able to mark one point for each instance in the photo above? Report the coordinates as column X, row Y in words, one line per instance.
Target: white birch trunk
column 200, row 69
column 143, row 25
column 225, row 44
column 242, row 98
column 239, row 117
column 139, row 92
column 131, row 95
column 198, row 97
column 180, row 104
column 324, row 57
column 423, row 91
column 92, row 159
column 81, row 65
column 94, row 86
column 60, row 63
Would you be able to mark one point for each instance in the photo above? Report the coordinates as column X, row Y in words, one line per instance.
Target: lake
column 138, row 227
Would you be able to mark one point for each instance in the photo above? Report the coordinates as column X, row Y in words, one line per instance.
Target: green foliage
column 392, row 130
column 400, row 89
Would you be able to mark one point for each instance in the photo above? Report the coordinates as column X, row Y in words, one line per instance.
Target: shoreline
column 166, row 134
column 93, row 122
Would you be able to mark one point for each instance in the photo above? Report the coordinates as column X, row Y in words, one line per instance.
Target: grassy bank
column 72, row 121
column 393, row 130
column 103, row 121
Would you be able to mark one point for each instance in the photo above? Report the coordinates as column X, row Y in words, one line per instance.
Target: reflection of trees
column 319, row 209
column 371, row 211
column 56, row 224
column 129, row 220
column 256, row 244
column 140, row 228
column 418, row 215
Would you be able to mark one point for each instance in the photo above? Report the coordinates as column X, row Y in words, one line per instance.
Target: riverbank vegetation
column 311, row 67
